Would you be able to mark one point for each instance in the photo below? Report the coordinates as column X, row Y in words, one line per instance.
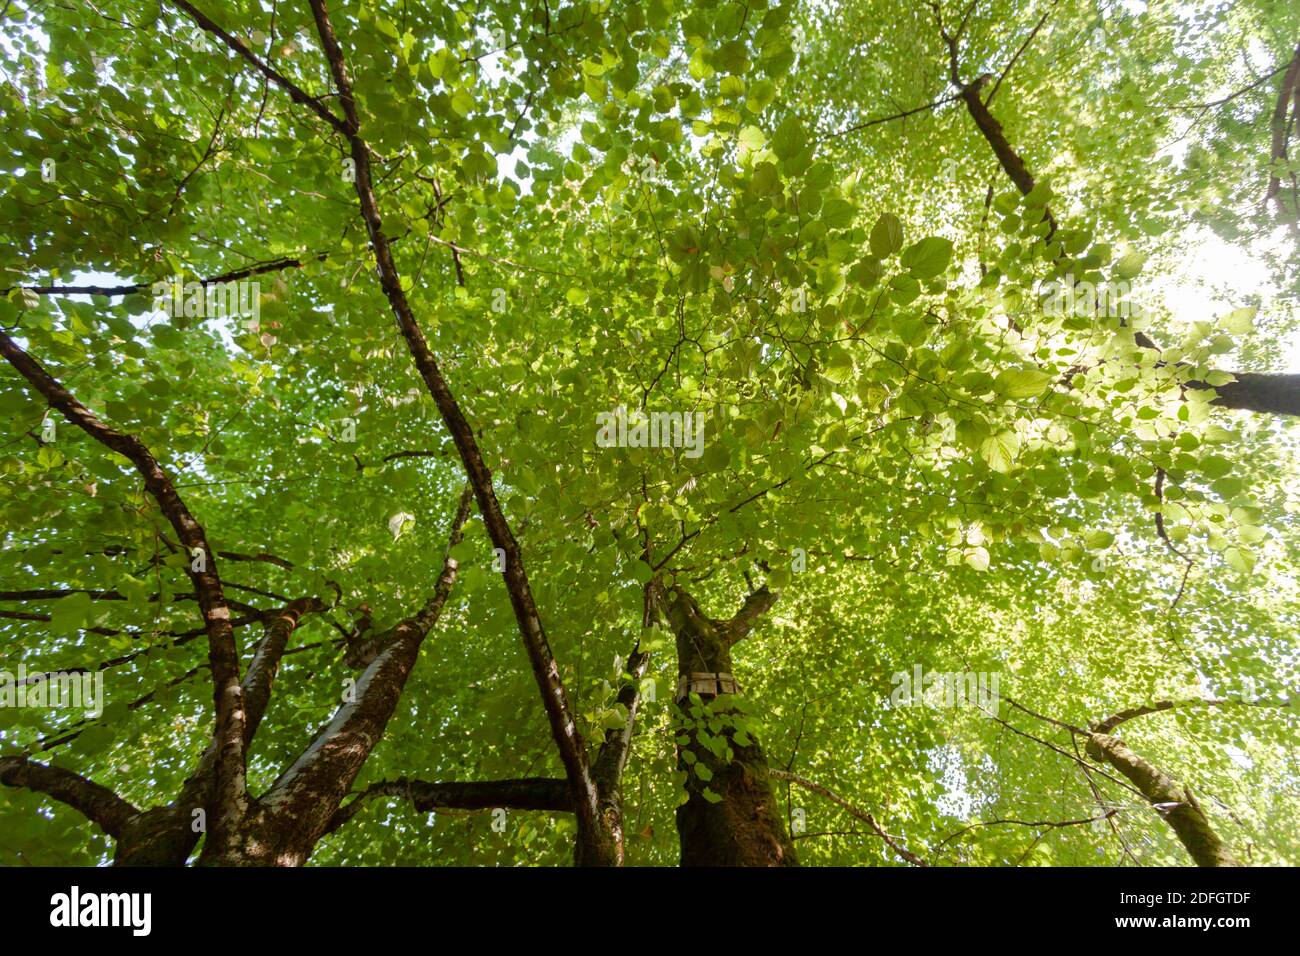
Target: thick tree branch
column 1269, row 393
column 1171, row 799
column 94, row 801
column 310, row 791
column 564, row 728
column 164, row 835
column 1010, row 161
column 260, row 676
column 525, row 793
column 756, row 605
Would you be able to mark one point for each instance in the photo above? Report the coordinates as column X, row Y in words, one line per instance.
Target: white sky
column 1212, row 277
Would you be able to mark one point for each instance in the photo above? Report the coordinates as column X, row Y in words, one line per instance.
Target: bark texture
column 564, row 728
column 745, row 827
column 1173, row 800
column 569, row 742
column 95, row 802
column 284, row 825
column 611, row 760
column 167, row 835
column 1281, row 132
column 1269, row 393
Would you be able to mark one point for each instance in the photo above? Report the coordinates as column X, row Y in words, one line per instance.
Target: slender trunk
column 1281, row 130
column 228, row 791
column 546, row 672
column 607, row 769
column 559, row 713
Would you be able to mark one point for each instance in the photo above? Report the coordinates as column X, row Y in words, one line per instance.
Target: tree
column 843, row 324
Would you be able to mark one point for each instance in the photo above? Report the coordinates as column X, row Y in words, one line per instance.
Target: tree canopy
column 459, row 433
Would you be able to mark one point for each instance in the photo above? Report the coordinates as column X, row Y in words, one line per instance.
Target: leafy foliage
column 674, row 208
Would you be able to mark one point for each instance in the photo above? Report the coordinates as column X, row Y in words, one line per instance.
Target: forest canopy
column 855, row 432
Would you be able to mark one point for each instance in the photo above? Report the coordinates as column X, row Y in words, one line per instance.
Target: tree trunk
column 744, row 827
column 1269, row 393
column 611, row 760
column 1173, row 800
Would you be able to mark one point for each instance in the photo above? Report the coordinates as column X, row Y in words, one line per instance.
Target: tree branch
column 572, row 749
column 311, row 789
column 934, row 104
column 222, row 657
column 1171, row 799
column 1290, row 86
column 95, row 802
column 611, row 759
column 262, row 669
column 1266, row 393
column 1110, row 723
column 854, row 811
column 1020, row 52
column 756, row 605
column 525, row 793
column 296, row 93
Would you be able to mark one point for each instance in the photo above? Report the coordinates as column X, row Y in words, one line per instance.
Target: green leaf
column 1022, row 382
column 886, row 236
column 1099, row 540
column 1215, row 466
column 904, row 289
column 716, row 457
column 1130, row 266
column 751, row 138
column 1240, row 559
column 789, row 138
column 1239, row 322
column 999, row 451
column 866, row 272
column 926, row 259
column 70, row 614
column 49, row 457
